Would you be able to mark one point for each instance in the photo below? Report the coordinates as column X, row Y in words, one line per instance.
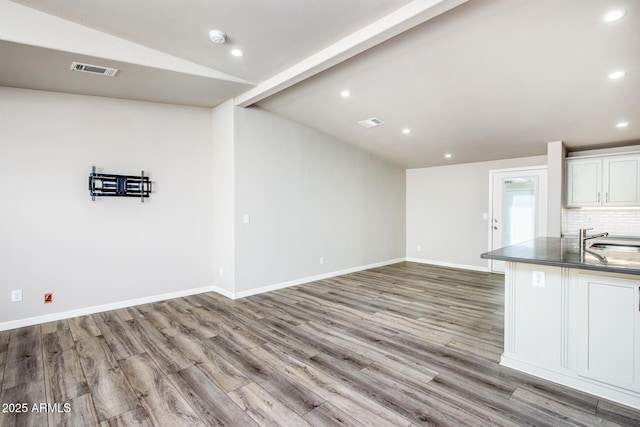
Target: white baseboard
column 449, row 264
column 573, row 380
column 29, row 321
column 304, row 280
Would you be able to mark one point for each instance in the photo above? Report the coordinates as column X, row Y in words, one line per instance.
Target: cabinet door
column 609, row 330
column 621, row 181
column 584, row 182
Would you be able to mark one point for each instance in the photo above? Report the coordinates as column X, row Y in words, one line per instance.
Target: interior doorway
column 518, row 208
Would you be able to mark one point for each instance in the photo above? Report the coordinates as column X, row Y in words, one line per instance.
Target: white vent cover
column 369, row 123
column 94, row 69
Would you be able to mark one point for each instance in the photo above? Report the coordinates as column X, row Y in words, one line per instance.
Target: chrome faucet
column 598, row 256
column 584, row 238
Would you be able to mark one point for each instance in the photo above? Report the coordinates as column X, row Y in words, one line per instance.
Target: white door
column 518, row 208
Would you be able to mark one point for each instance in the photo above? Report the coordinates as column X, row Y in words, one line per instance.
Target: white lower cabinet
column 609, row 330
column 574, row 327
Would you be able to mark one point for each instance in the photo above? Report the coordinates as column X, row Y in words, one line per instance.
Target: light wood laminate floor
column 406, row 344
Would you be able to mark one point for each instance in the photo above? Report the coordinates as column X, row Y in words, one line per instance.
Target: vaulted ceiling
column 476, row 79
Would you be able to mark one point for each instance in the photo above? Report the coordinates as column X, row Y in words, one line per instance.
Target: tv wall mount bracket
column 110, row 185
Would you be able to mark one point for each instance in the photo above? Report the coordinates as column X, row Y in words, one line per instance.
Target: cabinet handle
column 598, row 197
column 606, row 197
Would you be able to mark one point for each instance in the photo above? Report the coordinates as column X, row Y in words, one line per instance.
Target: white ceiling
column 489, row 79
column 275, row 34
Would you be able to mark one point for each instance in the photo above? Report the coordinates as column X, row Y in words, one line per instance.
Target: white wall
column 444, row 211
column 309, row 196
column 556, row 153
column 223, row 262
column 53, row 238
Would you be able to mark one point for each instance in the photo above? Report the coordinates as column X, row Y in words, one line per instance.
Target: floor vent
column 94, row 69
column 372, row 122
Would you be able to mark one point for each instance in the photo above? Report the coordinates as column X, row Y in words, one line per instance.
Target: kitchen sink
column 621, row 247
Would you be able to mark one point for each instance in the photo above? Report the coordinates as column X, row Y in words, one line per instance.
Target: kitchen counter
column 564, row 252
column 574, row 320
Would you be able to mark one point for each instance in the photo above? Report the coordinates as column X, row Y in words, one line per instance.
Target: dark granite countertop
column 563, row 252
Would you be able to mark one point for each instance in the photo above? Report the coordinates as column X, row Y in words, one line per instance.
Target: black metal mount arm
column 110, row 185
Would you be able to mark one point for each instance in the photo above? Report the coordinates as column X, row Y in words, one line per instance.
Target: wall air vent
column 94, row 69
column 369, row 123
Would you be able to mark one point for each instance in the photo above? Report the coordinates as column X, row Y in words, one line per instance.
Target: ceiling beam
column 399, row 21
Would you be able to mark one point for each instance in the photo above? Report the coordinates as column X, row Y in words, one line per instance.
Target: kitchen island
column 574, row 318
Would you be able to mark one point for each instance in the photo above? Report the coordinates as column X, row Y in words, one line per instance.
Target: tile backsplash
column 617, row 222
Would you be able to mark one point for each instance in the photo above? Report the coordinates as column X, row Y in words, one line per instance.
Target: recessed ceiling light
column 217, row 36
column 614, row 15
column 345, row 94
column 616, row 75
column 622, row 125
column 237, row 52
column 447, row 156
column 406, row 131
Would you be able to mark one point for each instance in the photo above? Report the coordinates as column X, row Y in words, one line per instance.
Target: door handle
column 495, row 228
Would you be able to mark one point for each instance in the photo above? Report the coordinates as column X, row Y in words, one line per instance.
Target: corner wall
column 223, row 261
column 444, row 212
column 556, row 154
column 308, row 196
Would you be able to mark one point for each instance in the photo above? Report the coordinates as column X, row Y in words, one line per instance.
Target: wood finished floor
column 400, row 345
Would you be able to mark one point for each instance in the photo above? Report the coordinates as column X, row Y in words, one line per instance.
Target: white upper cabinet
column 620, row 180
column 584, row 182
column 603, row 181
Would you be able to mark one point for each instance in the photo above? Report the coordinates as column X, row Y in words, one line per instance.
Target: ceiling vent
column 94, row 69
column 372, row 122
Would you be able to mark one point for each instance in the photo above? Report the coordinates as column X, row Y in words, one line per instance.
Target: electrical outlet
column 321, row 260
column 48, row 298
column 537, row 279
column 419, row 248
column 16, row 295
column 220, row 271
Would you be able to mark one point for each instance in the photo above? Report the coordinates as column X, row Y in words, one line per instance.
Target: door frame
column 492, row 174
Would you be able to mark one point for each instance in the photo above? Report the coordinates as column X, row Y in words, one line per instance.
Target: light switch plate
column 537, row 279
